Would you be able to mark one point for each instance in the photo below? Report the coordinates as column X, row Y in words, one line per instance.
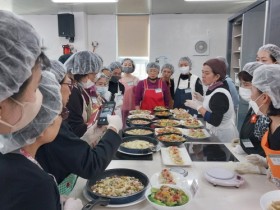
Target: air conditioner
column 200, row 46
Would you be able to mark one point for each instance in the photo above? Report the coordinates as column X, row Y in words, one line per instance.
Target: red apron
column 152, row 97
column 270, row 155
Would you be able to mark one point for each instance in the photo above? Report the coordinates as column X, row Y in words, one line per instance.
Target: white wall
column 103, row 29
column 171, row 36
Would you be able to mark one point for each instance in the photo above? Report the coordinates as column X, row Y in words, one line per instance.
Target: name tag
column 275, row 159
column 130, row 83
column 158, row 90
column 188, row 90
column 247, row 143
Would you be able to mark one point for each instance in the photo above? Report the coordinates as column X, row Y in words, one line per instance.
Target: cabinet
column 236, row 48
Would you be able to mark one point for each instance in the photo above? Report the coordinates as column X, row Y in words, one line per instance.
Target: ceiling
column 129, row 7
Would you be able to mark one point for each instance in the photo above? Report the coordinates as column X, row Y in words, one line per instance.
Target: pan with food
column 116, row 186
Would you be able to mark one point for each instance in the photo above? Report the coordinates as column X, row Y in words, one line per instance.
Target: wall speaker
column 66, row 26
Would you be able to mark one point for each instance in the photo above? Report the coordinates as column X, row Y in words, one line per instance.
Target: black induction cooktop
column 210, row 152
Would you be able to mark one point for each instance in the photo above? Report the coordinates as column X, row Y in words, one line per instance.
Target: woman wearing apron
column 151, row 92
column 130, row 82
column 217, row 106
column 167, row 71
column 186, row 84
column 83, row 65
column 265, row 100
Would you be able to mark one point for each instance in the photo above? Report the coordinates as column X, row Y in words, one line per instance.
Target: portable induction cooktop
column 209, row 152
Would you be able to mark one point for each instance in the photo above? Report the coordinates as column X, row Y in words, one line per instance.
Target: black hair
column 78, row 77
column 272, row 111
column 245, row 76
column 272, row 58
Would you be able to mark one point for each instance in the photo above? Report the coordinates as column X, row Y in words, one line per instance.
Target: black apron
column 248, row 141
column 181, row 95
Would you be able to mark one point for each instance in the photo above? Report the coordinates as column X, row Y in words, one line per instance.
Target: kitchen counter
column 208, row 197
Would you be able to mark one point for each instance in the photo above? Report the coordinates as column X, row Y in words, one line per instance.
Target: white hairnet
column 152, row 65
column 115, row 65
column 251, row 67
column 84, row 62
column 273, row 50
column 50, row 109
column 266, row 78
column 99, row 76
column 19, row 49
column 58, row 69
column 186, row 59
column 224, row 60
column 168, row 66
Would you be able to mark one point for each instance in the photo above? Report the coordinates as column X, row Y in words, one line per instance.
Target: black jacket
column 25, row 186
column 69, row 154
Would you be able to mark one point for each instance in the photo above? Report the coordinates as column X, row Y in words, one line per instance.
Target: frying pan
column 171, row 143
column 133, row 128
column 139, row 151
column 105, row 200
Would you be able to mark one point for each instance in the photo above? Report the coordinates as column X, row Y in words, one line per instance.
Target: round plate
column 87, row 197
column 220, row 173
column 268, row 197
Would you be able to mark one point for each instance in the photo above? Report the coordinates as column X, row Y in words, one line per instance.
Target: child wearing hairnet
column 68, row 157
column 30, row 187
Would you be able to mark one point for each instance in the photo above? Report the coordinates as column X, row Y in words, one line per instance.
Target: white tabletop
column 208, row 197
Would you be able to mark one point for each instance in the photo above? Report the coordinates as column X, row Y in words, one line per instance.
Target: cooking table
column 208, row 197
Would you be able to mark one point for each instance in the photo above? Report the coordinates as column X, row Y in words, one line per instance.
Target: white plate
column 168, row 161
column 268, row 197
column 178, row 178
column 223, row 177
column 88, row 198
column 140, row 154
column 198, row 126
column 145, row 116
column 207, row 135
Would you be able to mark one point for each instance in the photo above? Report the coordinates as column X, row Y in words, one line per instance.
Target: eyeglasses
column 64, row 114
column 70, row 85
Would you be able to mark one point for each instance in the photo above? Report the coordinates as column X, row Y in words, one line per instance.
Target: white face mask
column 101, row 90
column 245, row 93
column 255, row 106
column 28, row 113
column 88, row 84
column 185, row 69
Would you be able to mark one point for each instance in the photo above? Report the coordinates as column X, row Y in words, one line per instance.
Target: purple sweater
column 140, row 91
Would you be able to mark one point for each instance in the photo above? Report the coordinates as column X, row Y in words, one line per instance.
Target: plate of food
column 138, row 145
column 163, row 114
column 182, row 116
column 270, row 200
column 166, row 122
column 171, row 139
column 175, row 156
column 143, row 116
column 167, row 176
column 178, row 111
column 138, row 131
column 160, row 108
column 192, row 123
column 197, row 133
column 168, row 129
column 139, row 111
column 139, row 122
